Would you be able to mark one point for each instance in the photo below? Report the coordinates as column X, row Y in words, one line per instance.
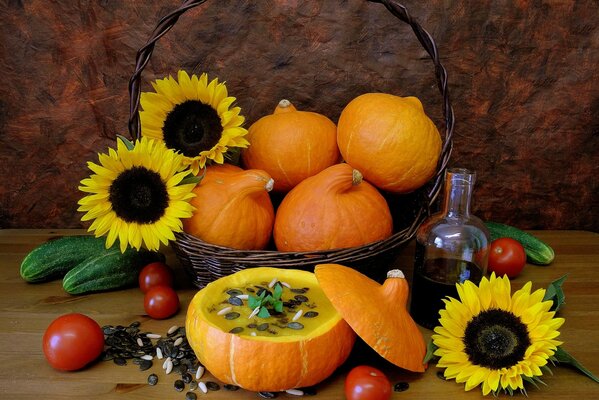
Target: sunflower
column 193, row 117
column 138, row 193
column 489, row 336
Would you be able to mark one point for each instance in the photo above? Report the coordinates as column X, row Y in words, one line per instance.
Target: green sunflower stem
column 563, row 357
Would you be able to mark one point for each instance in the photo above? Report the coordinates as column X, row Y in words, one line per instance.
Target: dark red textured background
column 523, row 78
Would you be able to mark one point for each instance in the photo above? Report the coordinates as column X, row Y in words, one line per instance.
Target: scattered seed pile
column 174, row 352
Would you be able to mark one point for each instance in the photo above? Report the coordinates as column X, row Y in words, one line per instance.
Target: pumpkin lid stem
column 284, row 103
column 395, row 273
column 356, row 177
column 269, row 185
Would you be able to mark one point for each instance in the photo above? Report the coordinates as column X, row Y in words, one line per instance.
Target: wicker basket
column 206, row 262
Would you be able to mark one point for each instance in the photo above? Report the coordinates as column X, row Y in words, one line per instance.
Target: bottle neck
column 459, row 184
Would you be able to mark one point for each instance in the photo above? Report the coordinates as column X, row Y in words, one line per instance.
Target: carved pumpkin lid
column 377, row 313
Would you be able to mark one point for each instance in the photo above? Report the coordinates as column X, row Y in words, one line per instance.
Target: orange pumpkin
column 330, row 210
column 257, row 360
column 390, row 140
column 233, row 208
column 377, row 313
column 291, row 145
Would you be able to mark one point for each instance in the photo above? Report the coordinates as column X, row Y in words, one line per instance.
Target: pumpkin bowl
column 299, row 346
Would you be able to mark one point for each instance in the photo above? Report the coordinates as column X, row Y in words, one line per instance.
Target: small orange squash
column 233, row 208
column 377, row 313
column 390, row 140
column 333, row 209
column 255, row 359
column 291, row 145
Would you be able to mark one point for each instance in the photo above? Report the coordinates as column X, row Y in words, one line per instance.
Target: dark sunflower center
column 496, row 339
column 139, row 195
column 192, row 127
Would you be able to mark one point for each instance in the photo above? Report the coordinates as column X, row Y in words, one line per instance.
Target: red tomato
column 506, row 257
column 367, row 383
column 72, row 341
column 161, row 302
column 155, row 274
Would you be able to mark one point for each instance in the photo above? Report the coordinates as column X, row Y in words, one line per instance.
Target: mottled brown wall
column 523, row 79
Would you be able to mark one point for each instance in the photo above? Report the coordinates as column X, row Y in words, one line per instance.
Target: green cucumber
column 54, row 258
column 537, row 251
column 108, row 270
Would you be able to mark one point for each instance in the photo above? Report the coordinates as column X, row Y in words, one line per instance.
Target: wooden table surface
column 27, row 309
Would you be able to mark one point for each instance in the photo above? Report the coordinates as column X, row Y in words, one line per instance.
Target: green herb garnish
column 267, row 303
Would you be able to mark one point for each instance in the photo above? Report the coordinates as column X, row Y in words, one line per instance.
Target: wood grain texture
column 27, row 309
column 523, row 76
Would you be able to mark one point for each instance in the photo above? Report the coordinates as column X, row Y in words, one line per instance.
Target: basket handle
column 168, row 21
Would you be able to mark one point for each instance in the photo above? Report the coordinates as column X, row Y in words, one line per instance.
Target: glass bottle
column 451, row 246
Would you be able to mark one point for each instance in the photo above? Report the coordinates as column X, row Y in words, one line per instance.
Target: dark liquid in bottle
column 433, row 281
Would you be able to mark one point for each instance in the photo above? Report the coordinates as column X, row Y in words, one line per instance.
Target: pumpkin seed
column 311, row 314
column 254, row 312
column 203, row 387
column 191, row 396
column 224, row 310
column 179, row 385
column 288, row 286
column 200, row 372
column 108, row 329
column 309, row 391
column 295, row 325
column 172, row 330
column 272, row 283
column 236, row 301
column 153, row 336
column 294, row 392
column 297, row 315
column 145, row 365
column 236, row 330
column 232, row 315
column 262, row 327
column 186, row 377
column 178, row 341
column 120, row 361
column 152, row 379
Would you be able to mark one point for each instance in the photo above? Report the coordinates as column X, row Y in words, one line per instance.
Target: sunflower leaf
column 556, row 294
column 562, row 356
column 430, row 352
column 191, row 179
column 126, row 142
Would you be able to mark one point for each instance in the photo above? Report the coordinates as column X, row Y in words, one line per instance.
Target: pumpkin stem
column 395, row 273
column 269, row 185
column 356, row 177
column 284, row 106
